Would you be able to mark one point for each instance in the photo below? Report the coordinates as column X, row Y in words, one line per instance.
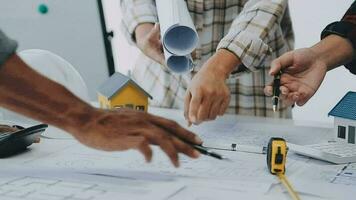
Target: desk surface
column 41, row 172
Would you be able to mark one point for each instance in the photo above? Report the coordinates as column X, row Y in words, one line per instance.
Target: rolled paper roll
column 179, row 64
column 180, row 40
column 179, row 36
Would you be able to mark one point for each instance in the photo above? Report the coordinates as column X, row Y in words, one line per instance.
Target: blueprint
column 64, row 185
column 65, row 169
column 179, row 37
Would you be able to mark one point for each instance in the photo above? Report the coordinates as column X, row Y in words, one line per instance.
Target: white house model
column 345, row 118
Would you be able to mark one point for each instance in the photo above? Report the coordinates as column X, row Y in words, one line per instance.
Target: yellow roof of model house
column 116, row 83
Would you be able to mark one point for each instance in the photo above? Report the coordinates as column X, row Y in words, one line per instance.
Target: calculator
column 334, row 152
column 14, row 142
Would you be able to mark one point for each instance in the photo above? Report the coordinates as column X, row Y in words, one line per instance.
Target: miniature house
column 120, row 91
column 345, row 118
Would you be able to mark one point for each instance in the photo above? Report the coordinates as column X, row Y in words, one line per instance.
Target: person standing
column 238, row 40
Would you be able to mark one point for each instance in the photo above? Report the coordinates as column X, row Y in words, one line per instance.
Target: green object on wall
column 43, row 9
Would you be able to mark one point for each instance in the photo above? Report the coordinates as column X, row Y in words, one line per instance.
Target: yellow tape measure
column 276, row 161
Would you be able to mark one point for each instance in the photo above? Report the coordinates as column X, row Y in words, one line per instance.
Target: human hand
column 149, row 42
column 125, row 129
column 303, row 72
column 208, row 95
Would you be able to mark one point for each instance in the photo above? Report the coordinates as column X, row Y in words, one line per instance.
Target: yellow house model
column 120, row 91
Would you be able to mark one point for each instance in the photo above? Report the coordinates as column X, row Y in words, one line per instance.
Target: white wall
column 309, row 18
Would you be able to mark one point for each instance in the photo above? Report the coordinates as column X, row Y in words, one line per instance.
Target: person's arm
column 252, row 31
column 135, row 13
column 141, row 29
column 25, row 91
column 305, row 69
column 246, row 43
column 334, row 51
column 345, row 28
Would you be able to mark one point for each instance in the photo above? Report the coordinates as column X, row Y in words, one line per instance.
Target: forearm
column 252, row 32
column 224, row 62
column 334, row 51
column 135, row 13
column 25, row 91
column 142, row 30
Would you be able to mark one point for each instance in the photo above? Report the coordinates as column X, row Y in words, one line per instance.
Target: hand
column 148, row 41
column 303, row 72
column 125, row 129
column 208, row 95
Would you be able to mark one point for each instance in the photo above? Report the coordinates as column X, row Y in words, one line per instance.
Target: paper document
column 65, row 185
column 326, row 180
column 179, row 37
column 224, row 134
column 131, row 166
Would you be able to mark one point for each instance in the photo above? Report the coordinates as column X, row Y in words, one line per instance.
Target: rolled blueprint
column 179, row 37
column 178, row 64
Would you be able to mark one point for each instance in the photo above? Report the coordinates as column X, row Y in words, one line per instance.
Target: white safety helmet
column 55, row 68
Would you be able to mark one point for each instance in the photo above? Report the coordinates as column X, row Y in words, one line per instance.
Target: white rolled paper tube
column 178, row 64
column 179, row 35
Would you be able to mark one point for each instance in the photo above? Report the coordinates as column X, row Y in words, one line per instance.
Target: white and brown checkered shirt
column 257, row 31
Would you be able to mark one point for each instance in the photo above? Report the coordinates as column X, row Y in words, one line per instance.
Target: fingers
column 168, row 147
column 284, row 90
column 302, row 99
column 286, row 79
column 204, row 110
column 187, row 99
column 185, row 148
column 155, row 32
column 155, row 45
column 169, row 144
column 268, row 90
column 118, row 143
column 176, row 130
column 158, row 136
column 194, row 106
column 282, row 62
column 215, row 109
column 146, row 150
column 224, row 105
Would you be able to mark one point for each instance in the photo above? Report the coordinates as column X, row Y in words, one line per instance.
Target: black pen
column 276, row 90
column 205, row 151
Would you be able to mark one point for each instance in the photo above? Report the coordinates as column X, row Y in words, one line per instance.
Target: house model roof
column 116, row 83
column 346, row 108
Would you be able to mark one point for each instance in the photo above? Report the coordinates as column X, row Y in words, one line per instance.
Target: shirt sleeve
column 135, row 12
column 7, row 47
column 252, row 32
column 350, row 17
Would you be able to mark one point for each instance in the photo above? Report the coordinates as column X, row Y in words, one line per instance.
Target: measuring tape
column 276, row 161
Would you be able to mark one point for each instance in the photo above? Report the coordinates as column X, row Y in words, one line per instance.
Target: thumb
column 155, row 32
column 284, row 61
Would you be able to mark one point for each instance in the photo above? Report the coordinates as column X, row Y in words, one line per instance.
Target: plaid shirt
column 257, row 31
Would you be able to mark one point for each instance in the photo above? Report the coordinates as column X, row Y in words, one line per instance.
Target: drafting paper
column 44, row 183
column 179, row 37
